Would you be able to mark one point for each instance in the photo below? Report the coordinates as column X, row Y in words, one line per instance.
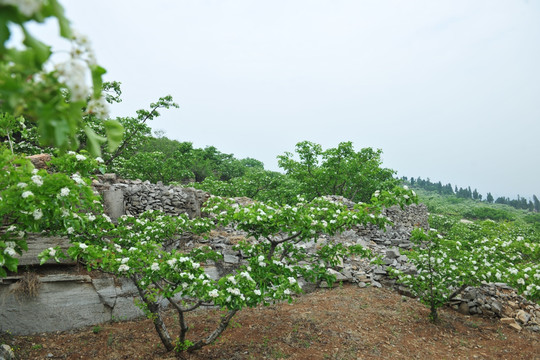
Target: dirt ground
column 343, row 323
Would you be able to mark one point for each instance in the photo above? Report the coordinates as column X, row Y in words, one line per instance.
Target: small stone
column 392, row 253
column 515, row 326
column 496, row 307
column 230, row 259
column 6, row 353
column 463, row 308
column 508, row 320
column 523, row 317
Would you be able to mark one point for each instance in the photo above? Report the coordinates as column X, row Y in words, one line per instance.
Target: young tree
column 337, row 171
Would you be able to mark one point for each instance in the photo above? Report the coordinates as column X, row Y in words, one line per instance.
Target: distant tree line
column 467, row 193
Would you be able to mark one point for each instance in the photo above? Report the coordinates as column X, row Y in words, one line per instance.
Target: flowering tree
column 275, row 258
column 467, row 255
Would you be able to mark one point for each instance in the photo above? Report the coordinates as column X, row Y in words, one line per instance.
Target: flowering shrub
column 33, row 200
column 467, row 255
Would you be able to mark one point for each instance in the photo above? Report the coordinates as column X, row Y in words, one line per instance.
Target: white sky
column 447, row 89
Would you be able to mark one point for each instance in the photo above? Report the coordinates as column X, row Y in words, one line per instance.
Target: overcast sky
column 447, row 89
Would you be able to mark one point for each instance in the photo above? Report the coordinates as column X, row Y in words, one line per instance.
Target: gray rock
column 463, row 308
column 6, row 353
column 230, row 259
column 392, row 253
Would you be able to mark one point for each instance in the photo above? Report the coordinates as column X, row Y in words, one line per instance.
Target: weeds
column 28, row 286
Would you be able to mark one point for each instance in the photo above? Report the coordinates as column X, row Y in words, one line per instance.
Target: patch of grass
column 279, row 354
column 97, row 329
column 472, row 324
column 28, row 286
column 110, row 340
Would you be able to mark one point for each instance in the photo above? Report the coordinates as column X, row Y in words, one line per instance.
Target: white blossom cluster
column 26, row 7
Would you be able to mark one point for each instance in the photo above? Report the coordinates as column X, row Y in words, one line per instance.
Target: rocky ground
column 347, row 322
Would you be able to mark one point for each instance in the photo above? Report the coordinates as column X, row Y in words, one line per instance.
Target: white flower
column 83, row 246
column 107, row 218
column 287, row 292
column 26, row 7
column 37, row 180
column 405, row 187
column 214, row 293
column 80, row 157
column 90, row 217
column 234, row 291
column 10, row 251
column 172, row 262
column 406, row 197
column 521, row 281
column 246, row 275
column 154, row 267
column 27, row 194
column 73, row 74
column 257, row 292
column 38, row 214
column 124, row 267
column 261, row 258
column 52, row 251
column 124, row 260
column 292, row 280
column 77, row 178
column 35, row 171
column 11, row 228
column 64, row 191
column 377, row 193
column 99, row 108
column 70, row 230
column 99, row 160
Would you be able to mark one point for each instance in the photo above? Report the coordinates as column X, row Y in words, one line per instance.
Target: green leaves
column 97, row 72
column 40, row 50
column 115, row 132
column 337, row 171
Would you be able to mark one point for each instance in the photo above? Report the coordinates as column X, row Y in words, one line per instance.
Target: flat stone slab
column 65, row 302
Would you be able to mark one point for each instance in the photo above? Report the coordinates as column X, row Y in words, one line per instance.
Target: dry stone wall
column 133, row 197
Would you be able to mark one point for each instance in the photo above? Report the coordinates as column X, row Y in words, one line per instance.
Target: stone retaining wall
column 133, row 197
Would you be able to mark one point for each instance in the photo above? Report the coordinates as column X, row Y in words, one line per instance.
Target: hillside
column 343, row 323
